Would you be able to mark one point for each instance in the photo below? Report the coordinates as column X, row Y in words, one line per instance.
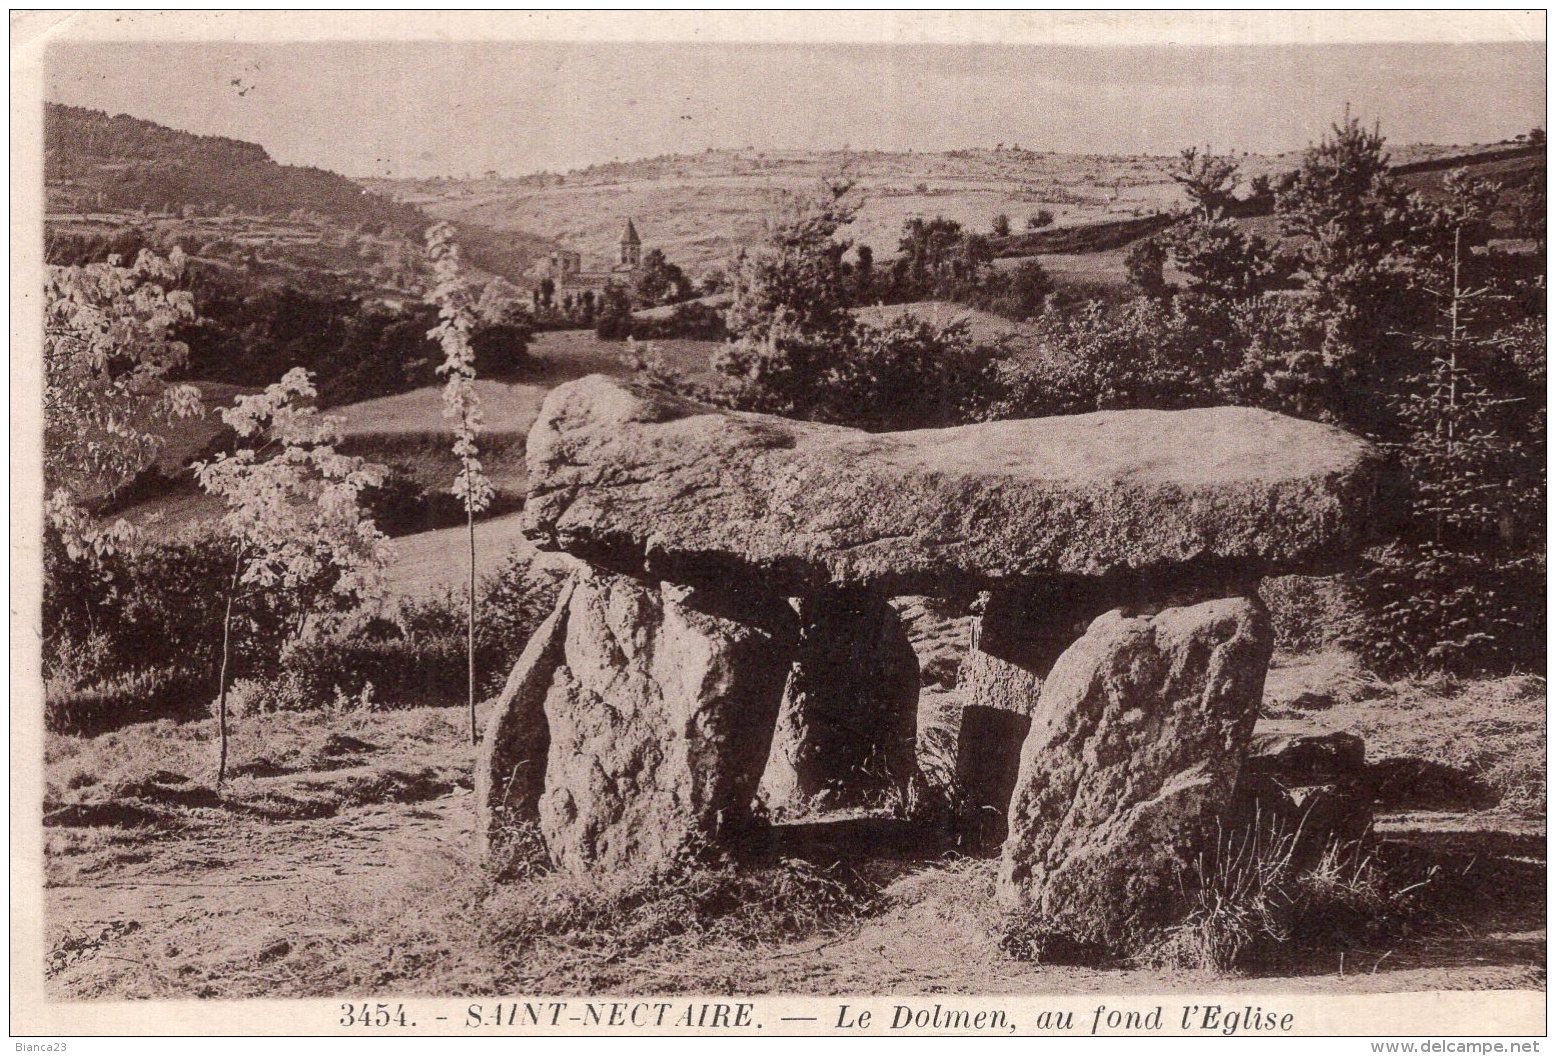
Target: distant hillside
column 701, row 208
column 94, row 162
column 106, row 175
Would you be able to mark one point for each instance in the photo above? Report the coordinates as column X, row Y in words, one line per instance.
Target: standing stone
column 848, row 727
column 660, row 719
column 1015, row 639
column 988, row 760
column 510, row 769
column 1135, row 748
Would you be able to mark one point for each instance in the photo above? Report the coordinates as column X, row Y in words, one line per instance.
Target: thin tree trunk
column 470, row 623
column 221, row 691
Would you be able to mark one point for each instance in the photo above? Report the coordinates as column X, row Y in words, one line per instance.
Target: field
column 700, row 209
column 408, row 433
column 340, row 861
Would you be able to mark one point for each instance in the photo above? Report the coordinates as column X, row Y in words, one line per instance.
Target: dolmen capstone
column 725, row 636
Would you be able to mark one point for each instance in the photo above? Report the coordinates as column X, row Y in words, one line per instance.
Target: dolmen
column 726, row 632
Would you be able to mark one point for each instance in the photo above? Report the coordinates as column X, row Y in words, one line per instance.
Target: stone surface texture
column 660, row 718
column 510, row 767
column 1135, row 749
column 848, row 727
column 641, row 481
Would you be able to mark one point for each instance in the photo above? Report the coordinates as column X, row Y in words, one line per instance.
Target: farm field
column 700, row 209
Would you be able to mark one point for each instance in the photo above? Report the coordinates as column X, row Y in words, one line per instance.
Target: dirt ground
column 340, row 861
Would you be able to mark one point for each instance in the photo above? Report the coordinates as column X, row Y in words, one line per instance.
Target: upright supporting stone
column 510, row 769
column 660, row 719
column 988, row 758
column 1135, row 749
column 1016, row 637
column 848, row 726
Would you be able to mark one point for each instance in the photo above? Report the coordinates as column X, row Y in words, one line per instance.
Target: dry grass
column 1491, row 729
column 288, row 764
column 339, row 861
column 1253, row 904
column 562, row 930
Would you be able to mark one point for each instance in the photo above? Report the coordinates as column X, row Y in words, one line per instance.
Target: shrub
column 1018, row 294
column 1310, row 613
column 906, row 374
column 400, row 505
column 136, row 695
column 1426, row 605
column 1102, row 358
column 692, row 319
column 139, row 627
column 411, row 672
column 613, row 317
column 1252, row 903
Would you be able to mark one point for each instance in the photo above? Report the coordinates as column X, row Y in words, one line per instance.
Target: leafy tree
column 1020, row 293
column 613, row 316
column 456, row 322
column 906, row 373
column 108, row 350
column 791, row 315
column 864, row 273
column 659, row 282
column 1140, row 354
column 935, row 255
column 294, row 516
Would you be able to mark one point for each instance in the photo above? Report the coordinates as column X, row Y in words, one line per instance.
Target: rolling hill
column 105, row 176
column 700, row 209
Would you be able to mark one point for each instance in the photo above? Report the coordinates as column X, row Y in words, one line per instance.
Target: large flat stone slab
column 643, row 481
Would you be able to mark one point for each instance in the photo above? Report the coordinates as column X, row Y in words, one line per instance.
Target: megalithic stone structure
column 732, row 577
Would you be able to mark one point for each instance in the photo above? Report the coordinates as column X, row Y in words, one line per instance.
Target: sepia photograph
column 890, row 523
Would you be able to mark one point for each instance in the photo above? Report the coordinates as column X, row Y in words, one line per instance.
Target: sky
column 423, row 108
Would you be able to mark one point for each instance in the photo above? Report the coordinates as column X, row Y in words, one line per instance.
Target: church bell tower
column 631, row 246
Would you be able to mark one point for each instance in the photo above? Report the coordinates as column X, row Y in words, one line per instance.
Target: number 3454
column 379, row 1015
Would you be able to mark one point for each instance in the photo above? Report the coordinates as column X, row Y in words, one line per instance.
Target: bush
column 1254, row 904
column 1099, row 358
column 1310, row 613
column 1019, row 294
column 138, row 695
column 613, row 318
column 411, row 672
column 402, row 506
column 906, row 374
column 693, row 320
column 1427, row 606
column 137, row 628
